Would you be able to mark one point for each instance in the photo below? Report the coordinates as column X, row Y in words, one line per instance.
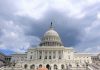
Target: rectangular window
column 45, row 57
column 49, row 57
column 30, row 57
column 54, row 57
column 59, row 57
column 40, row 57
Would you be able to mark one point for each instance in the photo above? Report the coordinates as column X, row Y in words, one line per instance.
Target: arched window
column 32, row 67
column 55, row 67
column 62, row 66
column 25, row 66
column 40, row 65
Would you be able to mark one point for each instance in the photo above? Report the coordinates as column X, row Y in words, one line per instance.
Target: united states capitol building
column 52, row 54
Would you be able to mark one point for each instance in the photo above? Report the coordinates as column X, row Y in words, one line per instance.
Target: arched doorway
column 25, row 66
column 55, row 67
column 32, row 67
column 40, row 65
column 48, row 67
column 62, row 66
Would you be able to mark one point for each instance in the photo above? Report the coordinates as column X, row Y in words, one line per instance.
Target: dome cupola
column 51, row 38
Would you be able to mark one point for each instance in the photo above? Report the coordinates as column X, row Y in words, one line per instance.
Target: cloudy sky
column 23, row 23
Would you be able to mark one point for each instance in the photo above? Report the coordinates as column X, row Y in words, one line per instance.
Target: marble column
column 51, row 54
column 38, row 54
column 42, row 54
column 56, row 54
column 62, row 54
column 47, row 54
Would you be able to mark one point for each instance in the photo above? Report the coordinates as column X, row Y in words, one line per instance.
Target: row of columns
column 51, row 44
column 53, row 54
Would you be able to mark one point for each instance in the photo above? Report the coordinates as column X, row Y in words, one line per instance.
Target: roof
column 85, row 54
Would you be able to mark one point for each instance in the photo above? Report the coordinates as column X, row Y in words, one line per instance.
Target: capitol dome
column 51, row 32
column 51, row 38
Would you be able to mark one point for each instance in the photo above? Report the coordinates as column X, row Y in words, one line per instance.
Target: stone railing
column 57, row 69
column 70, row 68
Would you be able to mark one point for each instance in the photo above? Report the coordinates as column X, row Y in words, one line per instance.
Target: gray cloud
column 20, row 31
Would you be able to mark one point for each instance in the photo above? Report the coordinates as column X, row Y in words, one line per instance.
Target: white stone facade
column 52, row 54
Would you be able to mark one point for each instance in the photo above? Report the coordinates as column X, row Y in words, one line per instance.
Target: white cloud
column 2, row 46
column 95, row 49
column 14, row 39
column 98, row 15
column 74, row 9
column 31, row 8
column 37, row 8
column 90, row 42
